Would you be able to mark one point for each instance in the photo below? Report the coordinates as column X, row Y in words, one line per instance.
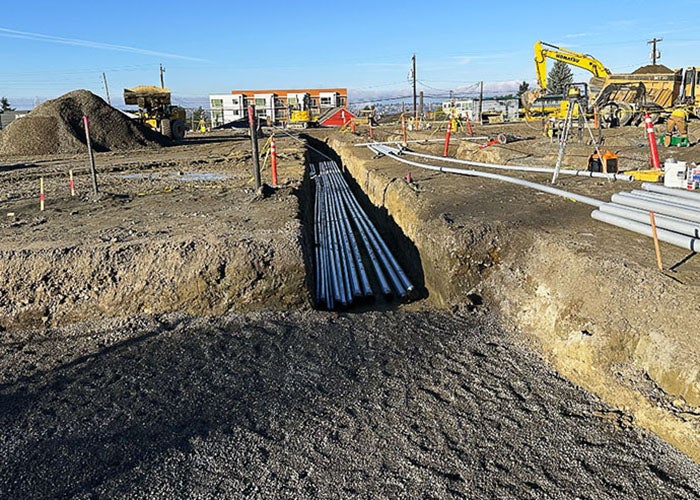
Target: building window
column 217, row 117
column 234, row 102
column 217, row 103
column 260, row 103
column 325, row 101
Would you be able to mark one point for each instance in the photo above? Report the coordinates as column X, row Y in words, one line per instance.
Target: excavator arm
column 545, row 50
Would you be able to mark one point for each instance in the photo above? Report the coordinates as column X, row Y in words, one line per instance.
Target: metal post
column 162, row 81
column 93, row 171
column 254, row 146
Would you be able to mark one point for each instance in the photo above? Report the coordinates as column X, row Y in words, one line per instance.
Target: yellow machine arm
column 545, row 50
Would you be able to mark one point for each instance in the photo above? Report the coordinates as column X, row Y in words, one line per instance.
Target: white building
column 227, row 108
column 273, row 105
column 491, row 109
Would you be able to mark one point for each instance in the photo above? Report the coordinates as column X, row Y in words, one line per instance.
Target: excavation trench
column 165, row 331
column 399, row 245
column 600, row 314
column 156, row 244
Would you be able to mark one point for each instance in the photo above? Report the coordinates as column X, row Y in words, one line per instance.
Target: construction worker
column 455, row 119
column 372, row 117
column 677, row 121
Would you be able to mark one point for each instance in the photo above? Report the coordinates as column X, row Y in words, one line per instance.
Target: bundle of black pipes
column 347, row 244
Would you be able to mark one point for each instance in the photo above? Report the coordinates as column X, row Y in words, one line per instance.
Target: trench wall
column 59, row 286
column 619, row 333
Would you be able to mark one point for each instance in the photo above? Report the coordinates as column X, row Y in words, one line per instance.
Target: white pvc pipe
column 663, row 221
column 488, row 175
column 660, row 207
column 676, row 239
column 680, row 193
column 374, row 143
column 676, row 200
column 521, row 168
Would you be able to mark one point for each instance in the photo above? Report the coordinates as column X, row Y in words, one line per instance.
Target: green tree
column 5, row 105
column 524, row 87
column 199, row 114
column 559, row 77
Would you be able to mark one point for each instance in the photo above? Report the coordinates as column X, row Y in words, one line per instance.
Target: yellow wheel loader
column 156, row 110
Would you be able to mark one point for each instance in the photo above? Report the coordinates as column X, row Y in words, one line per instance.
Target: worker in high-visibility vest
column 677, row 121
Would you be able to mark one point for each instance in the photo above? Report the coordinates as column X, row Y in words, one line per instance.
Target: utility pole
column 420, row 106
column 162, row 81
column 413, row 72
column 653, row 43
column 481, row 101
column 104, row 78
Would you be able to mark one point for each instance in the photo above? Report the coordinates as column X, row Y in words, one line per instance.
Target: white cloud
column 10, row 33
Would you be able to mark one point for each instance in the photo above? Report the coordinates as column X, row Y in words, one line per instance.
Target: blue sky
column 51, row 47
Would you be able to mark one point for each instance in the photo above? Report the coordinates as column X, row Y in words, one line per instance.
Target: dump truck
column 156, row 110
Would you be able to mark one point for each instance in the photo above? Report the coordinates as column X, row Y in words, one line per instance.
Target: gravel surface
column 311, row 405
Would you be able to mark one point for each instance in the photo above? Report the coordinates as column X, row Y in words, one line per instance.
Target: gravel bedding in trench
column 311, row 405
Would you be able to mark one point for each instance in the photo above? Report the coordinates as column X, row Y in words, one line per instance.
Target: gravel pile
column 56, row 126
column 652, row 69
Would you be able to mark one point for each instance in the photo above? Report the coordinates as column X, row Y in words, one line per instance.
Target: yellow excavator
column 620, row 98
column 544, row 51
column 156, row 110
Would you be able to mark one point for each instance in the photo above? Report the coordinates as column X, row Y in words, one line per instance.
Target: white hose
column 476, row 173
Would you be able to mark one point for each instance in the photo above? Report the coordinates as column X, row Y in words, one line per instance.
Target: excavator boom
column 545, row 50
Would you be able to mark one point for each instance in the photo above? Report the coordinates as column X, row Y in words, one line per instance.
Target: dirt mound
column 56, row 126
column 651, row 69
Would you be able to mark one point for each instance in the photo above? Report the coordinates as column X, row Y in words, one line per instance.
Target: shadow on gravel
column 17, row 166
column 319, row 405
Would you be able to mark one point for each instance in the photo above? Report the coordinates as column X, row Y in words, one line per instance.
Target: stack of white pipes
column 676, row 214
column 345, row 239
